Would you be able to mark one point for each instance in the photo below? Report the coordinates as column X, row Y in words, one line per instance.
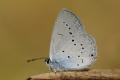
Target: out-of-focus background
column 26, row 27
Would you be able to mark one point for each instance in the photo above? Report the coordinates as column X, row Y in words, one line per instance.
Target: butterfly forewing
column 66, row 26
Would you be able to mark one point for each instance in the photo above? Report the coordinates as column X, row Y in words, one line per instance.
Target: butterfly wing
column 79, row 52
column 66, row 26
column 71, row 46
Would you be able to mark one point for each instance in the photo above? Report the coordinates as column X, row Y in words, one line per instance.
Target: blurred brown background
column 26, row 27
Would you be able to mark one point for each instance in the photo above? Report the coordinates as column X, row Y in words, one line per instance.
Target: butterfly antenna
column 34, row 59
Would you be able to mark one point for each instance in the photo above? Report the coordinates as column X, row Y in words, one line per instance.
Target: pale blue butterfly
column 71, row 48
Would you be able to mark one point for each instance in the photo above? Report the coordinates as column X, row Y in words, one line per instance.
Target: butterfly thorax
column 53, row 65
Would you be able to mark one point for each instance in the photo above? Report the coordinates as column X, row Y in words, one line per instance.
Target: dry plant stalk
column 94, row 74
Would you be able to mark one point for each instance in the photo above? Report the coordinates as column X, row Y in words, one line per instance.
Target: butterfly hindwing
column 77, row 52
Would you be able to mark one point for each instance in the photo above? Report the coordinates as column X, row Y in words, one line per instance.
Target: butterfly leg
column 50, row 70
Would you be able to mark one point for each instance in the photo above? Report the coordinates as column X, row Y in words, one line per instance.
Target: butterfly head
column 47, row 60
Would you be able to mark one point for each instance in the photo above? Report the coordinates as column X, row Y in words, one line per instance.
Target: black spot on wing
column 75, row 44
column 66, row 24
column 81, row 44
column 92, row 55
column 68, row 56
column 78, row 56
column 82, row 60
column 82, row 47
column 70, row 33
column 72, row 40
column 63, row 51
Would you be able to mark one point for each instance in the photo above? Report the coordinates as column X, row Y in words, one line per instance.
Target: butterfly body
column 72, row 48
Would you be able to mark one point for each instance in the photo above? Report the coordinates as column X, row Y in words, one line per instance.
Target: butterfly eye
column 63, row 51
column 47, row 60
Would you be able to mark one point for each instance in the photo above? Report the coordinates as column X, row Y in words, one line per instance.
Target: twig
column 96, row 74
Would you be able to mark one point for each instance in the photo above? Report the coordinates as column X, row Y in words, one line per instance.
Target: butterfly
column 71, row 47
